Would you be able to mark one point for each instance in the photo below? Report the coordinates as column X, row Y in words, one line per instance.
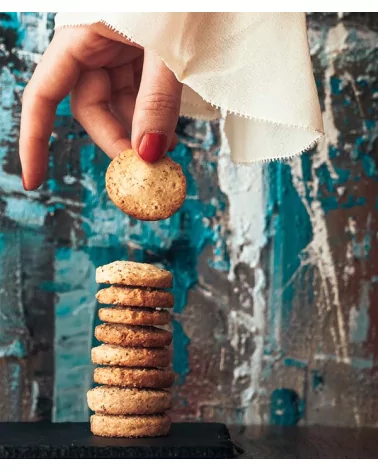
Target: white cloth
column 251, row 69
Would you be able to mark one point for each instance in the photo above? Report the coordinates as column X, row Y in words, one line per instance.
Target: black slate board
column 74, row 440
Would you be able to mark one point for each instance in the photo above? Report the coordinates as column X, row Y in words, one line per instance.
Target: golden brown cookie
column 134, row 377
column 128, row 401
column 133, row 273
column 146, row 191
column 130, row 356
column 133, row 336
column 134, row 316
column 130, row 426
column 130, row 296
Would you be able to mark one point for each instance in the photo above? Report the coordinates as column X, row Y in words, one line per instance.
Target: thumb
column 156, row 109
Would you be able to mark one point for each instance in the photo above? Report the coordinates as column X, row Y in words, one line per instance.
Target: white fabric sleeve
column 253, row 70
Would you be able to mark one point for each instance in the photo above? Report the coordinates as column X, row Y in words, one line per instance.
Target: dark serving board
column 74, row 440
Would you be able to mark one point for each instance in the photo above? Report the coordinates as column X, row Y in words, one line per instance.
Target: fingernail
column 152, row 146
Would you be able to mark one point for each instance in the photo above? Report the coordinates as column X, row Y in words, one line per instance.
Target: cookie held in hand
column 146, row 191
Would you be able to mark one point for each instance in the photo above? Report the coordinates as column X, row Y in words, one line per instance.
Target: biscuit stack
column 135, row 355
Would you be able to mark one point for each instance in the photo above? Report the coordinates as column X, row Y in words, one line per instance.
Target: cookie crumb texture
column 130, row 426
column 128, row 401
column 133, row 273
column 146, row 191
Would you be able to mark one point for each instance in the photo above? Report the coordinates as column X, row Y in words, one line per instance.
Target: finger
column 156, row 109
column 90, row 106
column 122, row 106
column 52, row 80
column 123, row 94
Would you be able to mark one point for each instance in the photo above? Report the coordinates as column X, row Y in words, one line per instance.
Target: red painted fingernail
column 152, row 146
column 23, row 181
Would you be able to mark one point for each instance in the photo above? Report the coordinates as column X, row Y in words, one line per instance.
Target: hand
column 117, row 90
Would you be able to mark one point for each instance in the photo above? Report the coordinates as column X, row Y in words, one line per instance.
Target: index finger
column 53, row 79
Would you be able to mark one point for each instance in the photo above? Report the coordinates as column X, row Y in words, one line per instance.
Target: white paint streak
column 318, row 252
column 34, row 400
column 37, row 32
column 357, row 94
column 243, row 186
column 349, row 267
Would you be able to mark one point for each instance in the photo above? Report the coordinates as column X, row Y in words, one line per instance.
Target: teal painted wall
column 275, row 265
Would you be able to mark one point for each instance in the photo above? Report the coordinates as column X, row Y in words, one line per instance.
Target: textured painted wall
column 275, row 265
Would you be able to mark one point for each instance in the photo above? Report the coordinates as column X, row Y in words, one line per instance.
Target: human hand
column 117, row 90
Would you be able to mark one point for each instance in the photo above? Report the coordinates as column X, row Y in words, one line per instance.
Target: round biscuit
column 134, row 316
column 133, row 336
column 133, row 273
column 134, row 296
column 146, row 191
column 106, row 354
column 130, row 426
column 109, row 400
column 134, row 377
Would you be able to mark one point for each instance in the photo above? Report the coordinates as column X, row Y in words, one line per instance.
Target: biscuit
column 146, row 191
column 133, row 273
column 134, row 377
column 130, row 426
column 129, row 296
column 134, row 316
column 133, row 336
column 128, row 401
column 106, row 354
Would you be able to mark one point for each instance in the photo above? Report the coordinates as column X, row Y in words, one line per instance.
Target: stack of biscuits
column 135, row 358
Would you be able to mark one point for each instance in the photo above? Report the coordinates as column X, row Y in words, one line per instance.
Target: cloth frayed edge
column 283, row 157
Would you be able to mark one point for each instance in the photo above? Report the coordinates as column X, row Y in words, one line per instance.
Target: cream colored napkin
column 252, row 70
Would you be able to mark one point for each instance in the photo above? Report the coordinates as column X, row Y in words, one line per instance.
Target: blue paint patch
column 336, row 85
column 370, row 124
column 16, row 348
column 27, row 213
column 332, row 203
column 75, row 287
column 10, row 20
column 180, row 348
column 290, row 232
column 368, row 165
column 64, row 108
column 285, row 407
column 290, row 362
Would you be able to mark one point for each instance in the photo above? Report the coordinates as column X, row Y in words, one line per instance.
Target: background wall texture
column 275, row 265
